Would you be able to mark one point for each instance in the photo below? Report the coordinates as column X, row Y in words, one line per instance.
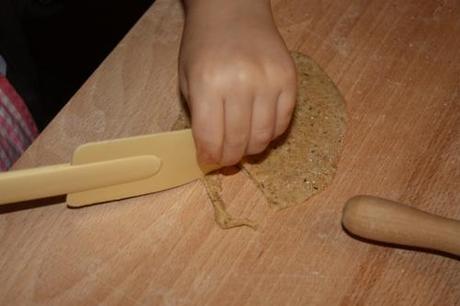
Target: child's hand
column 237, row 76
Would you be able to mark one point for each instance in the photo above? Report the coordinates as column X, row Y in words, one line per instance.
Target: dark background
column 52, row 46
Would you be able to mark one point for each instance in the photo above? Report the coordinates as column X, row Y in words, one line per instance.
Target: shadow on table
column 14, row 207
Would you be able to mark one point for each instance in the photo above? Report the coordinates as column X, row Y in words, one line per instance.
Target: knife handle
column 35, row 183
column 384, row 220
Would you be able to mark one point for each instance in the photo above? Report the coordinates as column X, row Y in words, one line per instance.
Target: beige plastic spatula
column 110, row 170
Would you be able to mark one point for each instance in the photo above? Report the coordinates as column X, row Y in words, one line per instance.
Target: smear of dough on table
column 304, row 160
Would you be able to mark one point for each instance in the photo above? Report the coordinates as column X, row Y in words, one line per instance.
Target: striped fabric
column 17, row 127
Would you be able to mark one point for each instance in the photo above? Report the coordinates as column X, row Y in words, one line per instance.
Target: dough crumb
column 213, row 185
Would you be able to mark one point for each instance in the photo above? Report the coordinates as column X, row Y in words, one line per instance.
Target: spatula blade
column 178, row 165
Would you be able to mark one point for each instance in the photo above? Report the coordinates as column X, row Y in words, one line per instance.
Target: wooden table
column 397, row 64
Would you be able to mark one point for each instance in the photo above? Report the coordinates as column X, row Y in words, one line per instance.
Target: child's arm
column 237, row 76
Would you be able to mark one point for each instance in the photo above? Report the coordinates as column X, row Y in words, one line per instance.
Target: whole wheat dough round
column 304, row 160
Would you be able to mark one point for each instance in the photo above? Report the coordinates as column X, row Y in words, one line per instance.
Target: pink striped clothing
column 17, row 127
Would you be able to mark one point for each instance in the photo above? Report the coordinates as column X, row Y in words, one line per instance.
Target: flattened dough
column 304, row 160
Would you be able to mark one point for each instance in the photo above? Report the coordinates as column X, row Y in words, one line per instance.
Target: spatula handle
column 28, row 184
column 384, row 220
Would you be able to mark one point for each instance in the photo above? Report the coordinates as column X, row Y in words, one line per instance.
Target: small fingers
column 238, row 112
column 262, row 123
column 285, row 108
column 207, row 113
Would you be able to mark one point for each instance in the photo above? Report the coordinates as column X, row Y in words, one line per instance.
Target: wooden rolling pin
column 384, row 220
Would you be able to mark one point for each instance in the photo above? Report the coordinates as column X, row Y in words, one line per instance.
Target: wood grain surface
column 397, row 64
